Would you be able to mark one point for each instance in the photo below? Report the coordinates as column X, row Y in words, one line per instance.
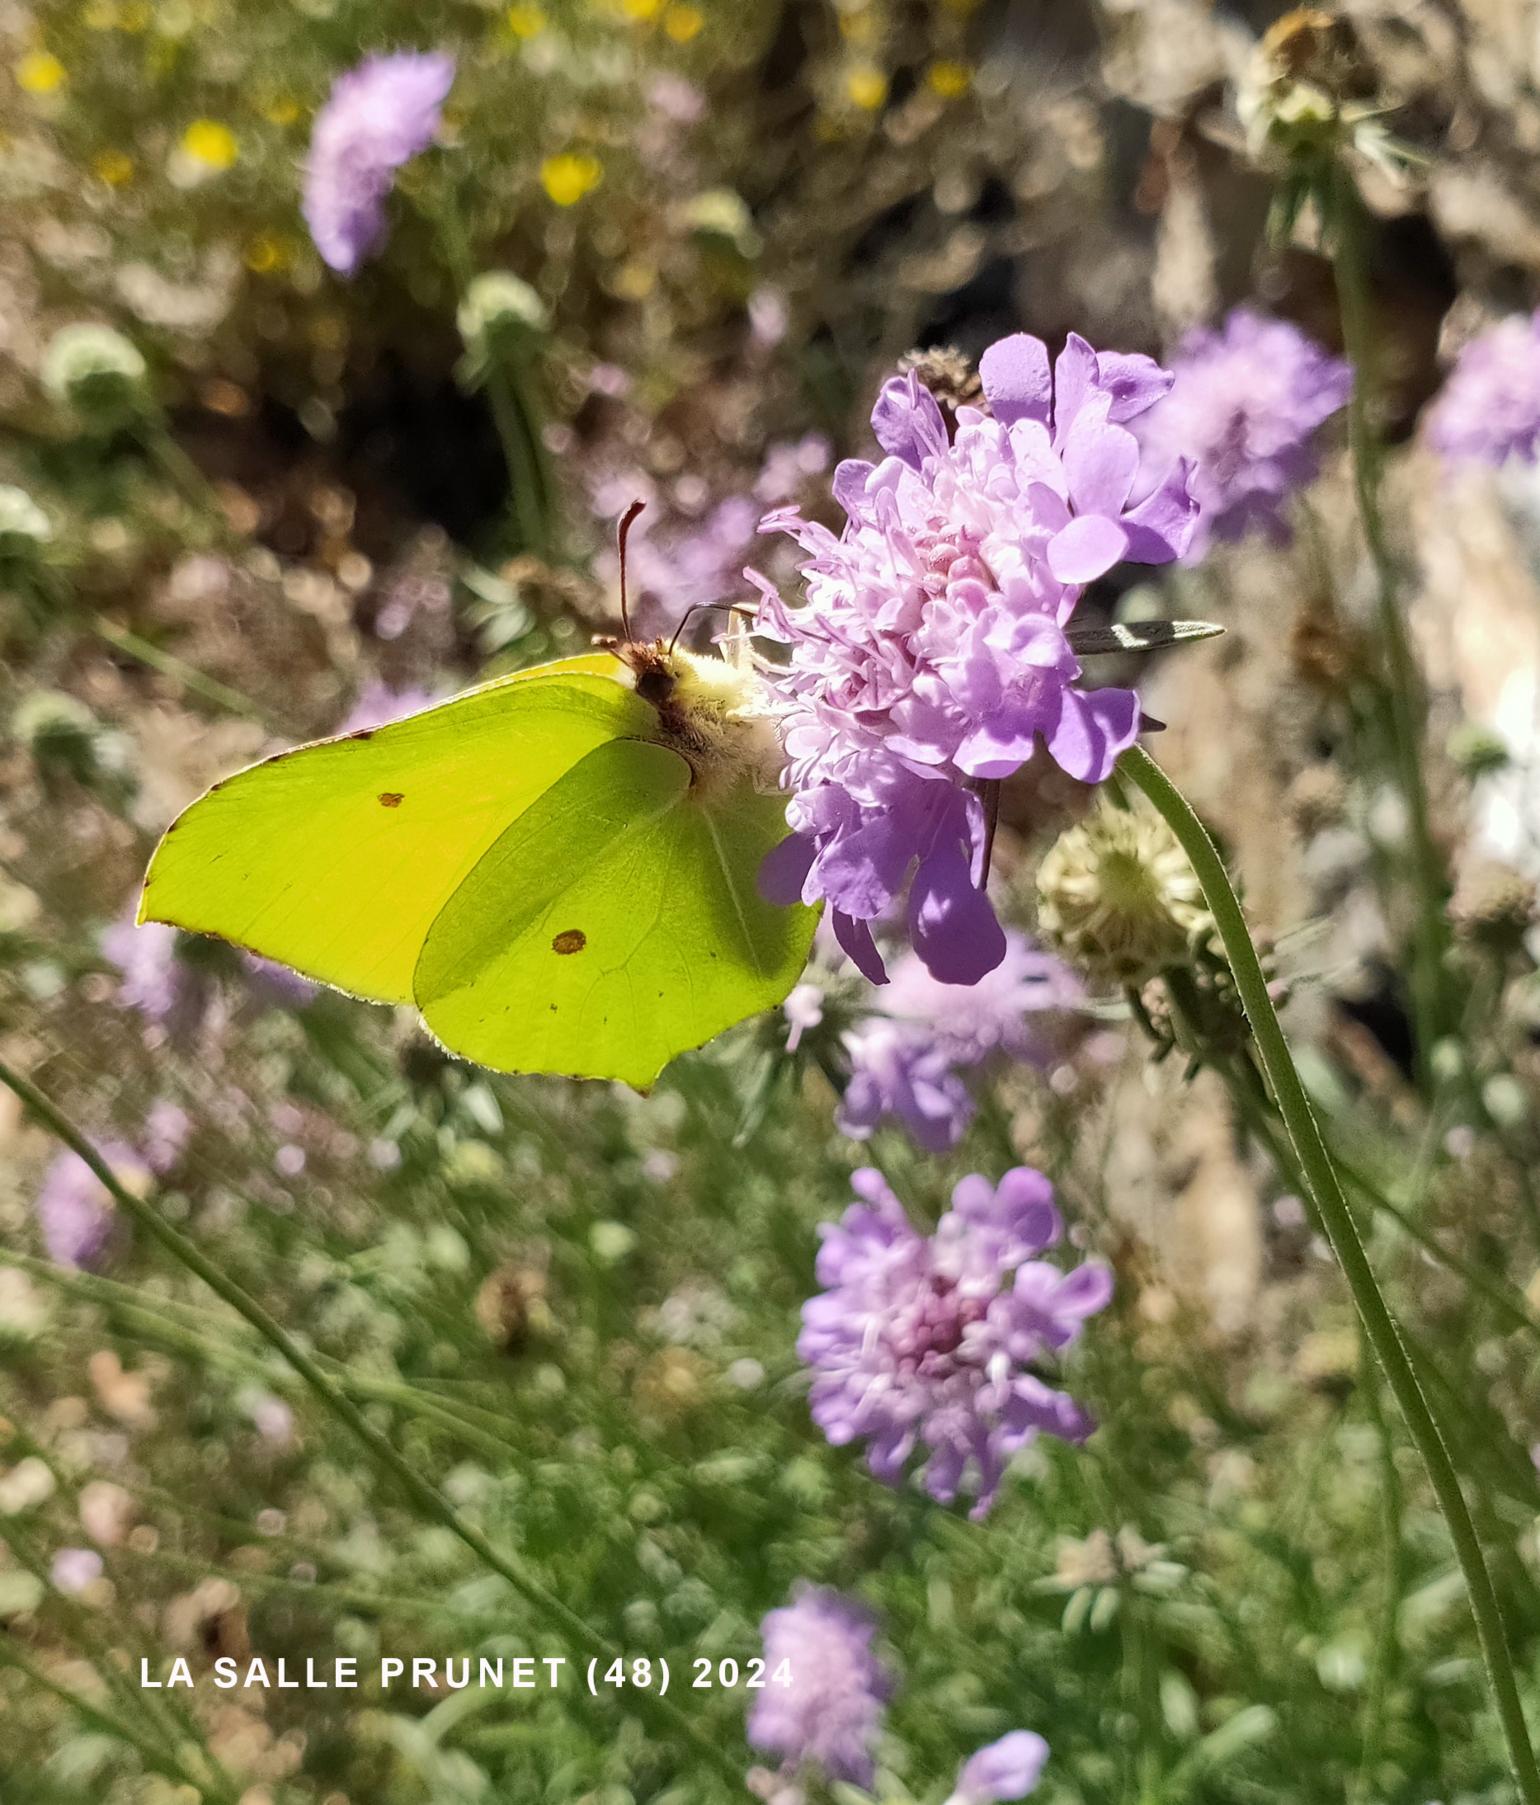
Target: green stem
column 1341, row 1231
column 426, row 1496
column 1345, row 212
column 134, row 646
column 514, row 414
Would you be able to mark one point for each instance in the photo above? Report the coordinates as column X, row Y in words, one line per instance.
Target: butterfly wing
column 614, row 925
column 336, row 857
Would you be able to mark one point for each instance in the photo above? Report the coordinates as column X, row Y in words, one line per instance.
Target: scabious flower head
column 1007, row 1769
column 931, row 653
column 1247, row 401
column 377, row 117
column 828, row 1717
column 907, row 1063
column 935, row 1343
column 1488, row 410
column 75, row 1210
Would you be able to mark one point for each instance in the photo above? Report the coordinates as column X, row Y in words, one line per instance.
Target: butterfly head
column 712, row 711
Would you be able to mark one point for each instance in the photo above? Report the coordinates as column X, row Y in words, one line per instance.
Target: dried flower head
column 931, row 654
column 828, row 1715
column 1118, row 897
column 937, row 1343
column 377, row 117
column 1307, row 84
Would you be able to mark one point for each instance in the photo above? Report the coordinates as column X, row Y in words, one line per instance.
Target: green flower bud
column 500, row 307
column 97, row 372
column 24, row 528
column 1118, row 897
column 722, row 215
column 60, row 732
column 1477, row 750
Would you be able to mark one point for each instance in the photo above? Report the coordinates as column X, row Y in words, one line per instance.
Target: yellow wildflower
column 567, row 178
column 948, row 79
column 39, row 72
column 208, row 142
column 683, row 22
column 867, row 87
column 526, row 20
column 267, row 253
column 113, row 167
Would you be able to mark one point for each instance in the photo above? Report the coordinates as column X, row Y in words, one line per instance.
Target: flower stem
column 425, row 1495
column 1341, row 1231
column 1344, row 211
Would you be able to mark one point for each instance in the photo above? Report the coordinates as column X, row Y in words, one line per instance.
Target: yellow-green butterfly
column 558, row 867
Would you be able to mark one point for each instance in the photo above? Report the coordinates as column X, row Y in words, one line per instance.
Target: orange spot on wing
column 391, row 798
column 569, row 940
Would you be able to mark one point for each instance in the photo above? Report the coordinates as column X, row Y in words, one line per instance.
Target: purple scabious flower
column 377, row 117
column 1488, row 410
column 74, row 1569
column 828, row 1715
column 151, row 979
column 1247, row 401
column 1007, row 1769
column 934, row 1343
column 75, row 1211
column 377, row 705
column 931, row 653
column 907, row 1063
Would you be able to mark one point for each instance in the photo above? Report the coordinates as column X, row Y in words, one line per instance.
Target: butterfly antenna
column 622, row 533
column 696, row 607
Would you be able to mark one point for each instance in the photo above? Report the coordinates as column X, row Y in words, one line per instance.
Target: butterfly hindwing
column 614, row 925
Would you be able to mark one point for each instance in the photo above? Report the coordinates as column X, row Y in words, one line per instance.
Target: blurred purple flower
column 933, row 1343
column 829, row 1715
column 75, row 1211
column 675, row 98
column 166, row 1128
column 1245, row 405
column 931, row 652
column 907, row 1062
column 377, row 117
column 1007, row 1769
column 803, row 1009
column 790, row 465
column 74, row 1569
column 1489, row 407
column 156, row 981
column 151, row 979
column 377, row 705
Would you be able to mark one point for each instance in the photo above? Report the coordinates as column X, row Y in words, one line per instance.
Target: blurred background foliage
column 575, row 1309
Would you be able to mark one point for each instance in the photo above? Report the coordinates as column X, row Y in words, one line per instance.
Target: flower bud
column 96, row 371
column 1118, row 897
column 24, row 529
column 501, row 308
column 60, row 732
column 1477, row 750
